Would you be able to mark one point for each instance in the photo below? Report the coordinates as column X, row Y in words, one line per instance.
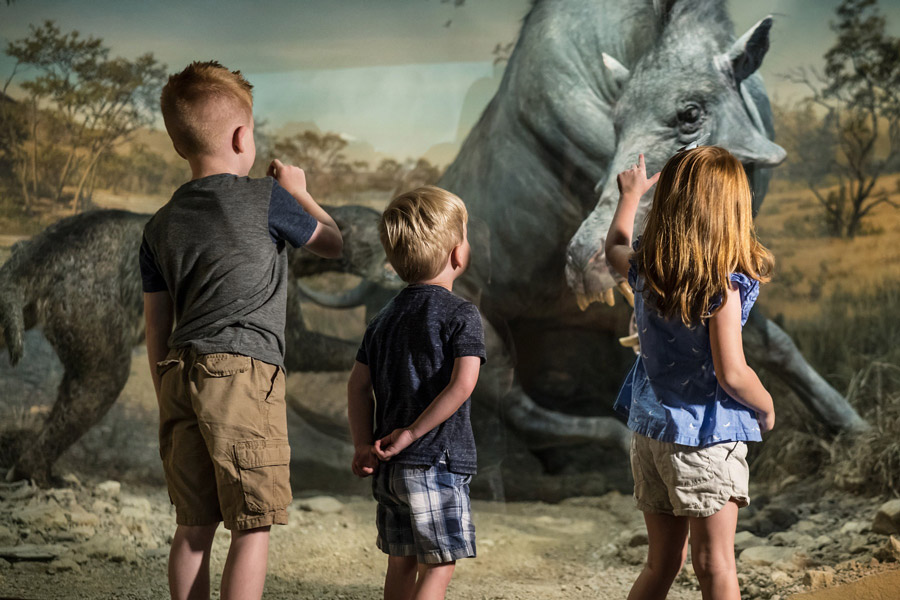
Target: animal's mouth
column 592, row 282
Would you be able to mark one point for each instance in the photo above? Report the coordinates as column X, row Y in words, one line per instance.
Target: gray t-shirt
column 218, row 247
column 410, row 348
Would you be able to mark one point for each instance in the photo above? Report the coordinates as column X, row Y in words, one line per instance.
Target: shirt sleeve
column 467, row 332
column 632, row 265
column 288, row 221
column 749, row 291
column 361, row 355
column 151, row 277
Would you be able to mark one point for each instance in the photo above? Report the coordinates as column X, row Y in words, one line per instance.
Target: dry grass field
column 810, row 267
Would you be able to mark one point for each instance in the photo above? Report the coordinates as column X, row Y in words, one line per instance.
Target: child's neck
column 443, row 279
column 213, row 165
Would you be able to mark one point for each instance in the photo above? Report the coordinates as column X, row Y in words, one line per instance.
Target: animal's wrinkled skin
column 591, row 84
column 79, row 281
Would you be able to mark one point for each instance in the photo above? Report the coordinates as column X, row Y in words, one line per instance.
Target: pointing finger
column 641, row 164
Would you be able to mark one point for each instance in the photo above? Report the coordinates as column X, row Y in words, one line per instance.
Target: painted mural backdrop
column 527, row 110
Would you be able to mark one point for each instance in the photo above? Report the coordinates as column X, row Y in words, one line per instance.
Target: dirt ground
column 92, row 539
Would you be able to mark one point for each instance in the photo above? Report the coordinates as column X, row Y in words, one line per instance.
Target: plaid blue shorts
column 423, row 512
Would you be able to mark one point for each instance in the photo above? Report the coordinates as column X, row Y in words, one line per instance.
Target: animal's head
column 362, row 256
column 693, row 83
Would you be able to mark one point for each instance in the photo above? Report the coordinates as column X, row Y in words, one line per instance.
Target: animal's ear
column 618, row 73
column 748, row 51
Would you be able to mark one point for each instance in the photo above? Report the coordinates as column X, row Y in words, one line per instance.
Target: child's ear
column 456, row 257
column 239, row 139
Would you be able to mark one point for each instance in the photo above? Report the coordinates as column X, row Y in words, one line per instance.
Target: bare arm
column 326, row 240
column 633, row 184
column 462, row 383
column 732, row 371
column 159, row 316
column 360, row 413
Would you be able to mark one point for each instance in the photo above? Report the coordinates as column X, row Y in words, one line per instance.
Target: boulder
column 765, row 556
column 745, row 539
column 63, row 496
column 63, row 564
column 792, row 538
column 638, row 538
column 7, row 536
column 780, row 578
column 80, row 517
column 107, row 547
column 108, row 490
column 807, row 526
column 819, row 578
column 42, row 516
column 320, row 504
column 29, row 552
column 852, row 527
column 100, row 507
column 887, row 519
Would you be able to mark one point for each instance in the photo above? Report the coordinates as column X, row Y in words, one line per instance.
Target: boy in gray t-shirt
column 408, row 397
column 214, row 264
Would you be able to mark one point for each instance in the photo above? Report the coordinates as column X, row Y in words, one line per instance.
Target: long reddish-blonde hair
column 699, row 231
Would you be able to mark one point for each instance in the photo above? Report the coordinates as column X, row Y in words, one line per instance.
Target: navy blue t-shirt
column 410, row 348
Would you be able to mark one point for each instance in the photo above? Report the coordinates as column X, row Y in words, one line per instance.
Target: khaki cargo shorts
column 687, row 481
column 223, row 439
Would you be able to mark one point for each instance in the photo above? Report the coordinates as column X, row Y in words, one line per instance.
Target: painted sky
column 393, row 73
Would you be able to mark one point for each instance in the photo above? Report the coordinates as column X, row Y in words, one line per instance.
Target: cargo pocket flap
column 222, row 365
column 265, row 474
column 164, row 365
column 253, row 457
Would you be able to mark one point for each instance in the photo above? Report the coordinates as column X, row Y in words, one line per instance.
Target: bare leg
column 667, row 535
column 400, row 581
column 712, row 553
column 433, row 581
column 189, row 562
column 244, row 575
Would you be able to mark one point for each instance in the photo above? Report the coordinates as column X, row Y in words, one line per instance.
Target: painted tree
column 857, row 140
column 99, row 101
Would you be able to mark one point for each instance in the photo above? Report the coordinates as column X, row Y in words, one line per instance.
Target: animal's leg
column 542, row 428
column 499, row 395
column 310, row 351
column 85, row 395
column 769, row 346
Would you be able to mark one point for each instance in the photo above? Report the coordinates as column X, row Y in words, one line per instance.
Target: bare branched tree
column 857, row 140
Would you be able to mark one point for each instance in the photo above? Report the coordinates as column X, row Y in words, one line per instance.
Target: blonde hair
column 201, row 103
column 418, row 230
column 699, row 231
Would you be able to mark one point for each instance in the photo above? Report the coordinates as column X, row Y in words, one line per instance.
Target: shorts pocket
column 223, row 364
column 264, row 469
column 166, row 365
column 692, row 466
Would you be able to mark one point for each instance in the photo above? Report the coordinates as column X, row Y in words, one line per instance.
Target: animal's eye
column 690, row 114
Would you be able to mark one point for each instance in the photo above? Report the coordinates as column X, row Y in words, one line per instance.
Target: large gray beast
column 79, row 281
column 589, row 85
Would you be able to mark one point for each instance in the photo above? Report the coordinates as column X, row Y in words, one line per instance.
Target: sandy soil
column 104, row 542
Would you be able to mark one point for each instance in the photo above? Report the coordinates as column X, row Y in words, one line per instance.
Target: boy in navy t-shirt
column 408, row 397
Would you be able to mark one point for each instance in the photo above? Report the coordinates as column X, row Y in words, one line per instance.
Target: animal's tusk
column 583, row 301
column 626, row 291
column 609, row 297
column 630, row 341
